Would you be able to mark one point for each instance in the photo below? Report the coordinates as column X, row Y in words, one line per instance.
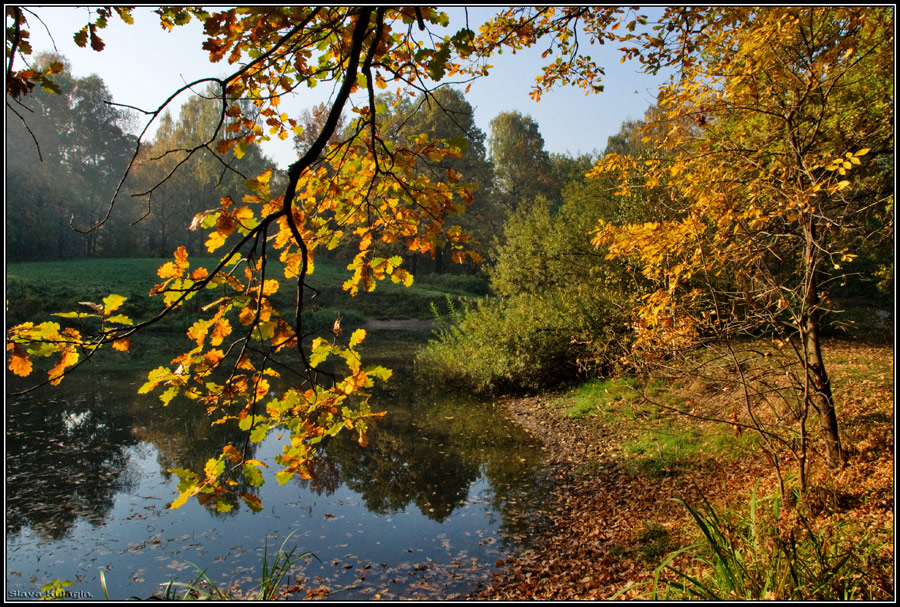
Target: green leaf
column 259, row 433
column 265, row 331
column 438, row 66
column 154, row 377
column 284, row 476
column 320, row 351
column 253, row 475
column 462, row 40
column 183, row 497
column 240, row 148
column 167, row 396
column 125, row 15
column 56, row 584
column 459, row 143
column 214, row 468
column 50, row 87
column 379, row 372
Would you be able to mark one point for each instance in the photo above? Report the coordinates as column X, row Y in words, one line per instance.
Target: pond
column 446, row 488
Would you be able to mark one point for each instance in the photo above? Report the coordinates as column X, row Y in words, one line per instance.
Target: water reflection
column 430, row 449
column 66, row 451
column 73, row 450
column 185, row 438
column 65, row 459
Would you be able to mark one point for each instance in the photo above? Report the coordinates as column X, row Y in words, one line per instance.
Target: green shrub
column 516, row 342
column 561, row 308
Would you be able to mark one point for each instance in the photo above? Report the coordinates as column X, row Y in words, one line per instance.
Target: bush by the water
column 562, row 308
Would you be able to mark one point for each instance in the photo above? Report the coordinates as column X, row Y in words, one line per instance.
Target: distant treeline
column 67, row 152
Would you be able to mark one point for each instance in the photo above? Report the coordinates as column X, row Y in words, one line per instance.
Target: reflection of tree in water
column 508, row 457
column 325, row 476
column 429, row 449
column 66, row 456
column 518, row 486
column 404, row 464
column 67, row 448
column 185, row 438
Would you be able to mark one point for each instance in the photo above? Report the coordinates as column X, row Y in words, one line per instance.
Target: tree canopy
column 776, row 121
column 522, row 165
column 62, row 164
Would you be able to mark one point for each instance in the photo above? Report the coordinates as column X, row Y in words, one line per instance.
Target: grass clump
column 202, row 588
column 600, row 393
column 654, row 541
column 771, row 552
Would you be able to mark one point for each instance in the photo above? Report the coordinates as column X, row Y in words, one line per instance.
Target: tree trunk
column 821, row 395
column 821, row 392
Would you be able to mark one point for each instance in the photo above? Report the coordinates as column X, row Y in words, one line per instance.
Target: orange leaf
column 18, row 361
column 251, row 500
column 225, row 224
column 122, row 345
column 169, row 270
column 246, row 364
column 216, row 240
column 270, row 286
column 198, row 331
column 247, row 315
column 69, row 358
column 231, row 453
column 220, row 331
column 181, row 256
column 213, row 357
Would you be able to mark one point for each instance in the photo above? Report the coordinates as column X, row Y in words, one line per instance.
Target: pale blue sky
column 142, row 64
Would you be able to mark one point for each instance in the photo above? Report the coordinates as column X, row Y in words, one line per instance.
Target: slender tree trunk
column 821, row 395
column 821, row 392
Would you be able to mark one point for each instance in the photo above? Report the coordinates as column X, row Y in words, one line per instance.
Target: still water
column 446, row 488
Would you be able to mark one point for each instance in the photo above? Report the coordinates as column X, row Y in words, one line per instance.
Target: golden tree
column 776, row 149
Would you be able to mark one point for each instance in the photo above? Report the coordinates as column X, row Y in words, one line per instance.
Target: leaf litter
column 594, row 545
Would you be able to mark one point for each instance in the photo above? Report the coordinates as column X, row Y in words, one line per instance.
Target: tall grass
column 202, row 588
column 773, row 554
